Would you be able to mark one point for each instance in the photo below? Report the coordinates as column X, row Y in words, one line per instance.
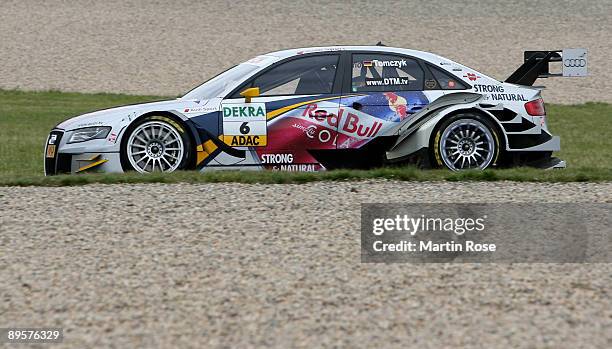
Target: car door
column 300, row 99
column 383, row 89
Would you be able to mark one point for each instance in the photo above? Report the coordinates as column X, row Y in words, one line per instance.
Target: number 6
column 244, row 128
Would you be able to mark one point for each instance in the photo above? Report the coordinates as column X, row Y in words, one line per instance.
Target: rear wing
column 537, row 65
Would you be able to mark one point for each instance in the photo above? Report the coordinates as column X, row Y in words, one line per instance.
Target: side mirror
column 250, row 93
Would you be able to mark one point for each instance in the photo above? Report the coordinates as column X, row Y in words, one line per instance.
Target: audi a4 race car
column 322, row 108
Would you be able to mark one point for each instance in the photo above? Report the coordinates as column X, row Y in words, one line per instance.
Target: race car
column 319, row 108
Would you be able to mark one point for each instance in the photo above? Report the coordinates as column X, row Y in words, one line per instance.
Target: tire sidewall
column 435, row 140
column 187, row 144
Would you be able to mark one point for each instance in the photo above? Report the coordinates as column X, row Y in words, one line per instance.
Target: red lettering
column 309, row 109
column 361, row 132
column 376, row 129
column 332, row 120
column 320, row 115
column 351, row 121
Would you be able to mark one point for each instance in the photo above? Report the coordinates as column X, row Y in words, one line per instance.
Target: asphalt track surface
column 168, row 47
column 235, row 265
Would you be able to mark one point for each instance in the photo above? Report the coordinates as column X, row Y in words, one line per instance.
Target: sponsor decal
column 398, row 104
column 249, row 111
column 430, row 83
column 260, row 60
column 52, row 139
column 471, row 76
column 288, row 161
column 377, row 63
column 323, row 135
column 296, row 167
column 575, row 63
column 387, row 82
column 112, row 138
column 51, row 150
column 510, row 97
column 352, row 125
column 346, row 121
column 278, row 158
column 310, row 131
column 488, row 88
column 198, row 110
column 244, row 141
column 497, row 93
column 244, row 124
column 94, row 123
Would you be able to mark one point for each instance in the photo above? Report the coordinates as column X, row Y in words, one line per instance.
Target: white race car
column 325, row 108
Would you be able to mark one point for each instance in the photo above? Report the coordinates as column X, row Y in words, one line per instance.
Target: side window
column 445, row 80
column 379, row 73
column 302, row 76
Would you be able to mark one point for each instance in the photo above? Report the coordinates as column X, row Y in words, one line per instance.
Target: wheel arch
column 479, row 111
column 421, row 137
column 175, row 117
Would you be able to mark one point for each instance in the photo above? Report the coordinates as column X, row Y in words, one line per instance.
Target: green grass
column 398, row 173
column 27, row 117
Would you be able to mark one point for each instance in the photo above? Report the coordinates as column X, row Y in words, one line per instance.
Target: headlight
column 89, row 133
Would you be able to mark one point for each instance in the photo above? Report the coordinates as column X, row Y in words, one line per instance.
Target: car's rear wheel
column 466, row 141
column 156, row 144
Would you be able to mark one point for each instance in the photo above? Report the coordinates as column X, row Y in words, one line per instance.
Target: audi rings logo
column 574, row 63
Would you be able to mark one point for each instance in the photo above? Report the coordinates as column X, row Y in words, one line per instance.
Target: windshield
column 217, row 86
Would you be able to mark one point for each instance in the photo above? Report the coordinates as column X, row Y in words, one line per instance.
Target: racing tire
column 156, row 144
column 465, row 141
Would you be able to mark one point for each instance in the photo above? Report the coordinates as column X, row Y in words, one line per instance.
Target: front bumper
column 61, row 158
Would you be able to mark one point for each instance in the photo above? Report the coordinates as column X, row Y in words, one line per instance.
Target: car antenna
column 380, row 44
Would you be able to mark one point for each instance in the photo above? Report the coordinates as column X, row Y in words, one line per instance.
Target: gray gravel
column 235, row 265
column 168, row 47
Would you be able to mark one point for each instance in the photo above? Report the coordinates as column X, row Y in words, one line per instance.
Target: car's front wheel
column 156, row 144
column 466, row 141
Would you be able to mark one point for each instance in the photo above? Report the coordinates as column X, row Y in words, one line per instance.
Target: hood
column 111, row 116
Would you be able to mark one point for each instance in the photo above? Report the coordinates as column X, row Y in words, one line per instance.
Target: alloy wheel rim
column 155, row 146
column 467, row 144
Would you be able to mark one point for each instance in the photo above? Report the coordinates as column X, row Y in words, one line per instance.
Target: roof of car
column 298, row 51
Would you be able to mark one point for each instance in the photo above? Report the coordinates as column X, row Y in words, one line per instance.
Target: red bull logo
column 345, row 122
column 398, row 104
column 354, row 125
column 471, row 76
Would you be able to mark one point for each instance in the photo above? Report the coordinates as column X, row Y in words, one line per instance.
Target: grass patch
column 27, row 117
column 269, row 177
